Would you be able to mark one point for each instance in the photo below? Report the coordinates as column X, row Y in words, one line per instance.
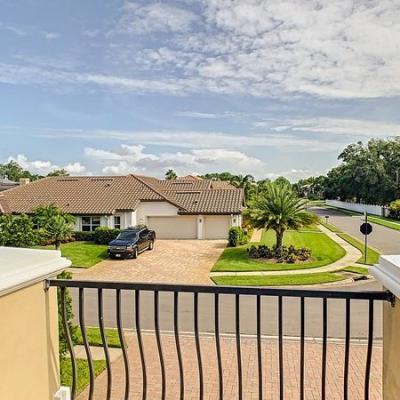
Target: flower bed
column 288, row 254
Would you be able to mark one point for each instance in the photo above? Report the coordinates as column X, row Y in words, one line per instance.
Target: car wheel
column 135, row 253
column 112, row 257
column 151, row 245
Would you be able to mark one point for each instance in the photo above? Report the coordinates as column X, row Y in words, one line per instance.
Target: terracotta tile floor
column 335, row 356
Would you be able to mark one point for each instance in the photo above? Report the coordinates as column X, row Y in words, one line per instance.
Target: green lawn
column 356, row 270
column 331, row 227
column 94, row 337
column 282, row 280
column 324, row 251
column 83, row 372
column 372, row 254
column 384, row 221
column 82, row 254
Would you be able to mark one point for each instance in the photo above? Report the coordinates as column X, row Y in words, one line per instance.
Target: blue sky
column 269, row 88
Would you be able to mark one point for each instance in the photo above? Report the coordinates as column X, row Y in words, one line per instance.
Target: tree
column 58, row 172
column 171, row 175
column 278, row 208
column 17, row 231
column 54, row 224
column 15, row 172
column 245, row 182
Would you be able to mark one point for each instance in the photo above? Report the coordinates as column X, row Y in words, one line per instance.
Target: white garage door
column 217, row 226
column 182, row 227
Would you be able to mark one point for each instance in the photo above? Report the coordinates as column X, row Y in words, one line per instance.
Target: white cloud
column 202, row 139
column 155, row 17
column 51, row 35
column 128, row 159
column 334, row 126
column 13, row 29
column 205, row 115
column 44, row 167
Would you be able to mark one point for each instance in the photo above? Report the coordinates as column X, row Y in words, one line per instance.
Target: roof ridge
column 158, row 192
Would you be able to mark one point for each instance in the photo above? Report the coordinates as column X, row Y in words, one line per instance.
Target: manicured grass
column 310, row 228
column 282, row 280
column 83, row 372
column 94, row 337
column 324, row 251
column 331, row 227
column 82, row 254
column 356, row 270
column 316, row 203
column 372, row 254
column 384, row 221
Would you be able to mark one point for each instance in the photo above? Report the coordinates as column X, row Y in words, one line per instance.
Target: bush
column 394, row 209
column 63, row 343
column 83, row 236
column 104, row 235
column 289, row 254
column 237, row 236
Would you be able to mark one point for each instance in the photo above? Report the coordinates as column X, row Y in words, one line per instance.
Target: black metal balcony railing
column 216, row 291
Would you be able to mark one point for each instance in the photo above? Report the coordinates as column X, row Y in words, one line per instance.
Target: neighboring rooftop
column 107, row 194
column 6, row 184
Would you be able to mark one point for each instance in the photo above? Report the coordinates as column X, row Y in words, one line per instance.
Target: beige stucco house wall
column 29, row 354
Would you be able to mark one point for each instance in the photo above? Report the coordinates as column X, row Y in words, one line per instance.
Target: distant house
column 185, row 208
column 6, row 184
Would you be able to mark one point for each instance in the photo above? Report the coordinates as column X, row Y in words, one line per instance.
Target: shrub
column 104, row 235
column 237, row 236
column 18, row 231
column 394, row 209
column 83, row 236
column 63, row 344
column 287, row 255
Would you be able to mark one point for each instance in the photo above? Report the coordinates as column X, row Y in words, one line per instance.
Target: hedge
column 104, row 235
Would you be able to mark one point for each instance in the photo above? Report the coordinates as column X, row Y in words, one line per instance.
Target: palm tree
column 55, row 224
column 171, row 175
column 58, row 229
column 245, row 182
column 278, row 208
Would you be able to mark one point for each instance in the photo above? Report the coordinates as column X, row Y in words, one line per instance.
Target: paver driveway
column 171, row 261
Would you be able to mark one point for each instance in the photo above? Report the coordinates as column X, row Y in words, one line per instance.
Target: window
column 117, row 221
column 89, row 224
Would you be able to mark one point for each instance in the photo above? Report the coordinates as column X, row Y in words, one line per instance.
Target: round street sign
column 366, row 228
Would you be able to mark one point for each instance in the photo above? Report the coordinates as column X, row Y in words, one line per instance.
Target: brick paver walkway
column 335, row 356
column 172, row 261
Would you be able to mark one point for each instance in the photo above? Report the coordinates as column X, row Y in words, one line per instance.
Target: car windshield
column 127, row 235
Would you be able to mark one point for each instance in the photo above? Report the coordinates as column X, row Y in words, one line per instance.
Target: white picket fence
column 358, row 207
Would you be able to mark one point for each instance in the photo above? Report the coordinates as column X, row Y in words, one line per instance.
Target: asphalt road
column 291, row 313
column 386, row 240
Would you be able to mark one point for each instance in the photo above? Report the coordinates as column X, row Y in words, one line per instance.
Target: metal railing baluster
column 178, row 346
column 346, row 353
column 302, row 334
column 259, row 349
column 238, row 348
column 198, row 348
column 218, row 346
column 140, row 344
column 280, row 347
column 70, row 344
column 369, row 348
column 159, row 345
column 123, row 344
column 104, row 342
column 85, row 341
column 324, row 346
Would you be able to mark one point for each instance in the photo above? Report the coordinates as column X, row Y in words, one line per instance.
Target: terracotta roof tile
column 107, row 194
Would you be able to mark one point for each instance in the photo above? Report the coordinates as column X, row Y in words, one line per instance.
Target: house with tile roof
column 185, row 208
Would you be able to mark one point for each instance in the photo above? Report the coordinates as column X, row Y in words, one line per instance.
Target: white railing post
column 387, row 272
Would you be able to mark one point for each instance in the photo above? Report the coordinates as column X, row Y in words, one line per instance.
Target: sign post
column 365, row 229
